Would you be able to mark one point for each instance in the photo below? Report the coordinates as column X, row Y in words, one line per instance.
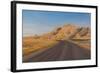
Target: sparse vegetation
column 33, row 45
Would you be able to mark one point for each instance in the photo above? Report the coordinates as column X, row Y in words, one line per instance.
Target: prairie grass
column 31, row 45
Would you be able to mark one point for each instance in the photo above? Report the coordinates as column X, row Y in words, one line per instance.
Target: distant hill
column 68, row 31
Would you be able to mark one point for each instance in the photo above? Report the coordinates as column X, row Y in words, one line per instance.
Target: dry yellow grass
column 31, row 45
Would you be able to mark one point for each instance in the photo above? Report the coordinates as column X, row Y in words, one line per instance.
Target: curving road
column 64, row 50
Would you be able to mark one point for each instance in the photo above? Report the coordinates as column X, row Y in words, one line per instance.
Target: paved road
column 64, row 50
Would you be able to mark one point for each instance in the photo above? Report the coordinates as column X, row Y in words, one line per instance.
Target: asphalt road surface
column 64, row 50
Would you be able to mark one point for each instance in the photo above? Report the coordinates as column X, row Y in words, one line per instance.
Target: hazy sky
column 39, row 22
